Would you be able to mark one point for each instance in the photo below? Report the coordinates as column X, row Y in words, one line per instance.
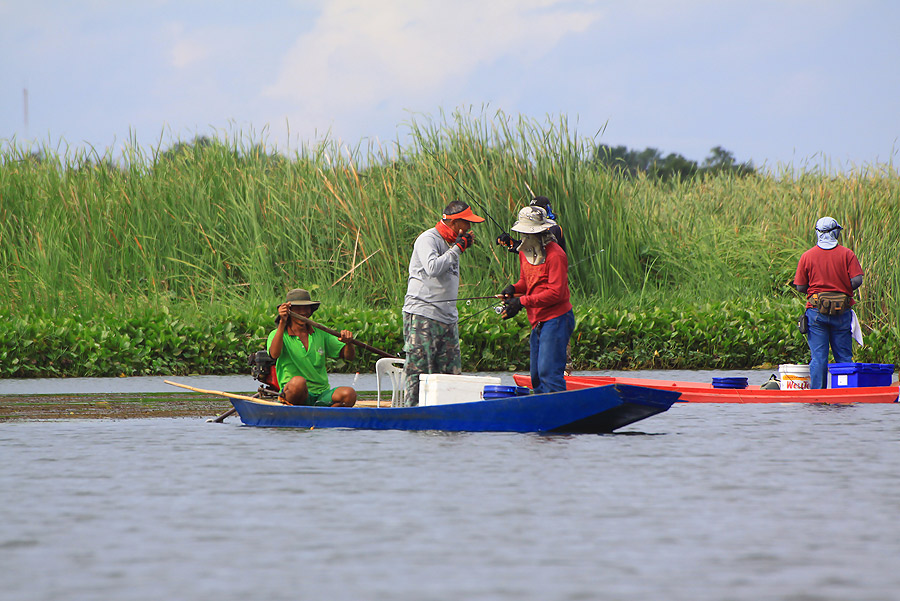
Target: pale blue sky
column 777, row 82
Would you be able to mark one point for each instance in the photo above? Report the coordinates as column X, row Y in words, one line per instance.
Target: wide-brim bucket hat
column 298, row 297
column 532, row 220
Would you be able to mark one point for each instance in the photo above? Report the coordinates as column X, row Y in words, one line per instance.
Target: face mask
column 533, row 247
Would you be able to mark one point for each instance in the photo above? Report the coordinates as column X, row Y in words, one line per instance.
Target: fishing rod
column 480, row 206
column 467, row 298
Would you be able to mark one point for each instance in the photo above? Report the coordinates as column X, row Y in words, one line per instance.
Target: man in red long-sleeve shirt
column 543, row 289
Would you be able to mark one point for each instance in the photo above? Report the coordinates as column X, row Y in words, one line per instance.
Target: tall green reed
column 232, row 223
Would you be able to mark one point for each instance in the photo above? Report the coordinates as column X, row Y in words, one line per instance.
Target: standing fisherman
column 430, row 328
column 543, row 289
column 828, row 273
column 512, row 245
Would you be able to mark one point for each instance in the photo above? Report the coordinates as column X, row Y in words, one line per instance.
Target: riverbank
column 122, row 406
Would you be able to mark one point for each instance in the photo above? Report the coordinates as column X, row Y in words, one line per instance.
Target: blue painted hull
column 590, row 410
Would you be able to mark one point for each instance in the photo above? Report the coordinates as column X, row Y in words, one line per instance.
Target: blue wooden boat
column 590, row 410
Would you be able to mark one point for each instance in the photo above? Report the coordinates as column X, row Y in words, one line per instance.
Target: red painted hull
column 697, row 392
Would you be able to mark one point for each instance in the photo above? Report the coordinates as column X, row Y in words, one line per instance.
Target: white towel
column 855, row 329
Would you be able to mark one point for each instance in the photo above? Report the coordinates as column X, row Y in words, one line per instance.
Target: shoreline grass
column 202, row 231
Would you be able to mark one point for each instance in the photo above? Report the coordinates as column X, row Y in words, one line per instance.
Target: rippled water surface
column 701, row 502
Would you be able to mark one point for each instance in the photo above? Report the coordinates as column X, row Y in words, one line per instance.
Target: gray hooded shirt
column 433, row 284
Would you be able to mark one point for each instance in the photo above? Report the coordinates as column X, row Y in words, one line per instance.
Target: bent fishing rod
column 480, row 206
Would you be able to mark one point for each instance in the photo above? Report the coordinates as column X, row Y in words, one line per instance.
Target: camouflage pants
column 431, row 347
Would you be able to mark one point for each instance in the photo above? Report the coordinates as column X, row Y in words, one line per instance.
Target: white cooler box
column 443, row 389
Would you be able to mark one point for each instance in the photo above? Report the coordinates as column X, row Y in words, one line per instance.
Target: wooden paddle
column 221, row 418
column 328, row 330
column 230, row 395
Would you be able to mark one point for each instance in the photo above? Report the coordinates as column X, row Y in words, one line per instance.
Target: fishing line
column 465, row 189
column 590, row 256
column 474, row 314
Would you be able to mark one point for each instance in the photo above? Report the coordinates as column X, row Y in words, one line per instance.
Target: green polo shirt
column 295, row 360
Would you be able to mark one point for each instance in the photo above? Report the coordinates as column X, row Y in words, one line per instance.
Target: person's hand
column 284, row 311
column 346, row 336
column 464, row 241
column 509, row 242
column 508, row 292
column 511, row 307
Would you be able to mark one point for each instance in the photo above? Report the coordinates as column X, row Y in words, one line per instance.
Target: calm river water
column 703, row 502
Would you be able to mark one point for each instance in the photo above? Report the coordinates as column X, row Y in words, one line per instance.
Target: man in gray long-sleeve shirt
column 430, row 328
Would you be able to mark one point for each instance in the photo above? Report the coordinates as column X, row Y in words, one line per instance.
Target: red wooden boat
column 698, row 392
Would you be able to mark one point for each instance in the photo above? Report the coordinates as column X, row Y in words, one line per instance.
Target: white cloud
column 406, row 52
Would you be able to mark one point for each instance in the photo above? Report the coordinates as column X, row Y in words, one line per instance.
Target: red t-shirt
column 827, row 271
column 545, row 287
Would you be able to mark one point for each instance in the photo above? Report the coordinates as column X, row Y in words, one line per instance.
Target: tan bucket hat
column 298, row 297
column 532, row 220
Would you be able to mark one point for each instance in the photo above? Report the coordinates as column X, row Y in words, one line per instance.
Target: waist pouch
column 830, row 303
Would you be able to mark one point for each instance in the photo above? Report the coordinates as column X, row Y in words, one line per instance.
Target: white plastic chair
column 393, row 368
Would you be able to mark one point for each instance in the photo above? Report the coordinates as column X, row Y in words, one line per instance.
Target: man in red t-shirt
column 543, row 289
column 828, row 268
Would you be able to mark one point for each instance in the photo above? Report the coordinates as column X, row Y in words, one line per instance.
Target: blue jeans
column 548, row 353
column 825, row 330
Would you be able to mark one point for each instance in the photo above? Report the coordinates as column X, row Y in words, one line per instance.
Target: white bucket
column 794, row 377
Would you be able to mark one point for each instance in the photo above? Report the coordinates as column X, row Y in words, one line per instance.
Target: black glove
column 464, row 241
column 509, row 291
column 511, row 307
column 510, row 243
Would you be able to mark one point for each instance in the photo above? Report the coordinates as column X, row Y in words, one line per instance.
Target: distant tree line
column 654, row 165
column 650, row 161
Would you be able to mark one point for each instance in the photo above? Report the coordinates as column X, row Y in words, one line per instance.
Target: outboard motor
column 262, row 368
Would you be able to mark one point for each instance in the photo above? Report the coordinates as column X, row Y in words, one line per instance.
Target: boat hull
column 696, row 392
column 589, row 410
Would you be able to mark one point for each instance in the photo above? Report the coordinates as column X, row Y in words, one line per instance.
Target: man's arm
column 855, row 282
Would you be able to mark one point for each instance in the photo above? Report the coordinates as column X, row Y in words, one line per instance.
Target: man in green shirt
column 300, row 351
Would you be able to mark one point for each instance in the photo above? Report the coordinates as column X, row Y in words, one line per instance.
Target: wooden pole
column 229, row 395
column 328, row 330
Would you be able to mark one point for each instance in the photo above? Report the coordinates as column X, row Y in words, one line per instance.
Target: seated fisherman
column 300, row 351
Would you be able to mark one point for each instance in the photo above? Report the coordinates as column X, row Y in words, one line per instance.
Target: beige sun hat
column 532, row 220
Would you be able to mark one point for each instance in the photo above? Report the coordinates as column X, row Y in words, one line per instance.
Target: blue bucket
column 500, row 392
column 729, row 382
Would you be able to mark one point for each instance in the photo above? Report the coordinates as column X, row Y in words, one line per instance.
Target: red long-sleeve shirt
column 545, row 287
